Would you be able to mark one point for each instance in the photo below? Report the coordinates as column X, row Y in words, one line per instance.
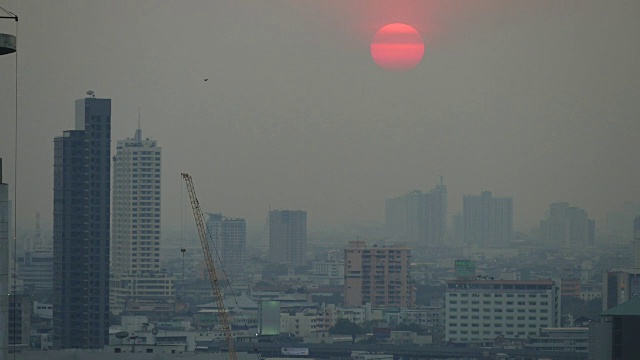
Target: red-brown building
column 377, row 275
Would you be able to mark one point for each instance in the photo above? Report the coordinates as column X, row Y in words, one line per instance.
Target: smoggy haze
column 536, row 100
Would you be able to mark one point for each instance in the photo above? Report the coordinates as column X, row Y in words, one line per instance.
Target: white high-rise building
column 135, row 236
column 230, row 237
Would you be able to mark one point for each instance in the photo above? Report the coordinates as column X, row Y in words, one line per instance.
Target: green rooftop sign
column 465, row 268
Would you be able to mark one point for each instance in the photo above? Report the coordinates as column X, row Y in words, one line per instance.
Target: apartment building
column 378, row 275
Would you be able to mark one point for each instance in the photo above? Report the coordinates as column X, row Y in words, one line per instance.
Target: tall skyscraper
column 567, row 226
column 288, row 236
column 487, row 220
column 81, row 227
column 377, row 275
column 4, row 267
column 230, row 238
column 135, row 242
column 418, row 218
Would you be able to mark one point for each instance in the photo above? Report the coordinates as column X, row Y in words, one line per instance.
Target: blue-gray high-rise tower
column 81, row 200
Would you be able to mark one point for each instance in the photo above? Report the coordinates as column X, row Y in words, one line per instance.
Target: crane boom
column 199, row 217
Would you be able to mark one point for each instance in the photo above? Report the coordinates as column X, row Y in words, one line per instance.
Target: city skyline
column 340, row 121
column 541, row 128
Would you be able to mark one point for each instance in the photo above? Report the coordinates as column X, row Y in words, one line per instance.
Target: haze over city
column 376, row 179
column 534, row 100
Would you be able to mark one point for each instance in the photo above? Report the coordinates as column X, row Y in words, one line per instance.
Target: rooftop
column 629, row 308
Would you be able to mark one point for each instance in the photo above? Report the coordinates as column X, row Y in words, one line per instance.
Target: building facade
column 136, row 273
column 478, row 311
column 327, row 272
column 418, row 218
column 35, row 268
column 230, row 238
column 81, row 228
column 487, row 220
column 4, row 266
column 619, row 286
column 288, row 236
column 567, row 226
column 378, row 276
column 568, row 339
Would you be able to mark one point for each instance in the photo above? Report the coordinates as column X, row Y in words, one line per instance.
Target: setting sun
column 397, row 47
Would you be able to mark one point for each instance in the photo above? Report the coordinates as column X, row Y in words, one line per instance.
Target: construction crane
column 199, row 217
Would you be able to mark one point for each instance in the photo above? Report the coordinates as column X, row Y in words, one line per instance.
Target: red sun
column 397, row 47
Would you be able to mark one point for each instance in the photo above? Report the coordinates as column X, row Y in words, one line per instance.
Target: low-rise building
column 41, row 310
column 574, row 339
column 478, row 311
column 327, row 272
column 570, row 287
column 311, row 324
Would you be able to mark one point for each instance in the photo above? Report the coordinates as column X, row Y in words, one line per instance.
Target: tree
column 579, row 308
column 346, row 327
column 409, row 327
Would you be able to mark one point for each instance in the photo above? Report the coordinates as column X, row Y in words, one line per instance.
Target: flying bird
column 207, row 79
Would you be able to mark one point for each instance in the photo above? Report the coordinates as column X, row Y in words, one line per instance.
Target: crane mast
column 199, row 218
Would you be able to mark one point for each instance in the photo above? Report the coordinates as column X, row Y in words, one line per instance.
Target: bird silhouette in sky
column 207, row 79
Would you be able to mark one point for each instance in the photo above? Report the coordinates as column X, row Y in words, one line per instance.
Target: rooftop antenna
column 38, row 235
column 441, row 180
column 138, row 135
column 91, row 93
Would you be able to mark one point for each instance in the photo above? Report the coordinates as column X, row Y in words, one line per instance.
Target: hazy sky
column 539, row 100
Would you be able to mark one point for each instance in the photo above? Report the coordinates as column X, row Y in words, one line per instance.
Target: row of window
column 486, row 332
column 508, row 295
column 497, row 302
column 497, row 317
column 520, row 326
column 498, row 310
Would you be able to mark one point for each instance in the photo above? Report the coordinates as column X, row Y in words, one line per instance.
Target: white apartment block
column 327, row 272
column 477, row 311
column 307, row 323
column 135, row 221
